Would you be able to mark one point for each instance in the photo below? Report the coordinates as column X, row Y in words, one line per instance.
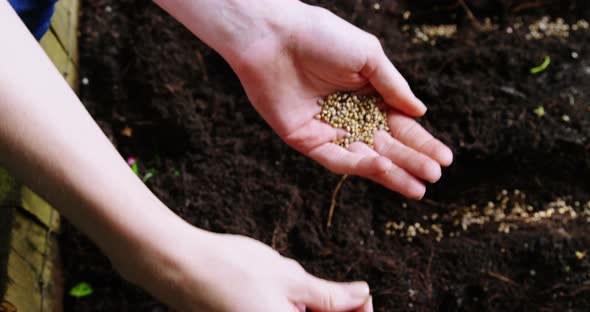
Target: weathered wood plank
column 60, row 24
column 62, row 61
column 37, row 206
column 65, row 26
column 8, row 198
column 31, row 264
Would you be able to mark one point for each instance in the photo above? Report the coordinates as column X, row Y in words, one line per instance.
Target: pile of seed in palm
column 359, row 115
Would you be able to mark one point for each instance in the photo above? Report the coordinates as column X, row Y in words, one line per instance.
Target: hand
column 202, row 271
column 287, row 70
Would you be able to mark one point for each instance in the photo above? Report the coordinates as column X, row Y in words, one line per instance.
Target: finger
column 367, row 307
column 342, row 161
column 313, row 134
column 399, row 180
column 412, row 134
column 409, row 159
column 362, row 149
column 300, row 307
column 388, row 81
column 321, row 295
column 289, row 306
column 367, row 89
column 396, row 178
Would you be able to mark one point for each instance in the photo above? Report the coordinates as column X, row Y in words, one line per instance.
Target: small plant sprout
column 81, row 290
column 539, row 111
column 150, row 174
column 580, row 255
column 176, row 173
column 542, row 67
column 132, row 162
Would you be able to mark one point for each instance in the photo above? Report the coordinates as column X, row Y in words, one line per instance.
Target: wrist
column 231, row 26
column 144, row 243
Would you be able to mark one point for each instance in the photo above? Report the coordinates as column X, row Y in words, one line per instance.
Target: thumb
column 321, row 295
column 388, row 81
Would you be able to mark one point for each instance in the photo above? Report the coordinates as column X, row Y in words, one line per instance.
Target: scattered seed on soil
column 539, row 111
column 506, row 213
column 358, row 115
column 546, row 27
column 430, row 33
column 407, row 15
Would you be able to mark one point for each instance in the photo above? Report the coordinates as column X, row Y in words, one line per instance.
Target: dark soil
column 221, row 167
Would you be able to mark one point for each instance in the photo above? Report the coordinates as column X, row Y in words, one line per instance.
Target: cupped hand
column 285, row 72
column 203, row 271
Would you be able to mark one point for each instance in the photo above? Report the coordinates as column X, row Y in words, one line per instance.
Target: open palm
column 284, row 75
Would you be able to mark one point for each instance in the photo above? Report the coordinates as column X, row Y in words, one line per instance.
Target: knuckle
column 375, row 43
column 321, row 12
column 294, row 265
column 329, row 299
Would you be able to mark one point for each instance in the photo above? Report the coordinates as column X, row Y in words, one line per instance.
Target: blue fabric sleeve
column 36, row 14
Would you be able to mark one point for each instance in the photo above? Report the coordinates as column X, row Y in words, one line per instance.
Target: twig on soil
column 502, row 278
column 349, row 268
column 583, row 288
column 387, row 292
column 470, row 15
column 529, row 5
column 202, row 64
column 428, row 271
column 333, row 203
column 432, row 202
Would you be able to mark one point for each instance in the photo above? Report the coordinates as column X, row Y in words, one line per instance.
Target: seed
column 357, row 114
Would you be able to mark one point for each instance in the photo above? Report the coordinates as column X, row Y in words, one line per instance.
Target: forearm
column 231, row 26
column 50, row 142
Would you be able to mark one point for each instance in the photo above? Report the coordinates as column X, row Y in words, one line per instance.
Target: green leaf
column 150, row 174
column 176, row 173
column 81, row 290
column 542, row 67
column 135, row 168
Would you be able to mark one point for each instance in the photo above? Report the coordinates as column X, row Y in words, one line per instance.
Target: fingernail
column 300, row 307
column 446, row 157
column 359, row 290
column 422, row 106
column 416, row 190
column 369, row 304
column 433, row 171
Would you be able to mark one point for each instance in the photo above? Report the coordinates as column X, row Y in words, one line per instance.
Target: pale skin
column 287, row 55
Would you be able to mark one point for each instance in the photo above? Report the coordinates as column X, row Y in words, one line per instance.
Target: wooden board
column 8, row 199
